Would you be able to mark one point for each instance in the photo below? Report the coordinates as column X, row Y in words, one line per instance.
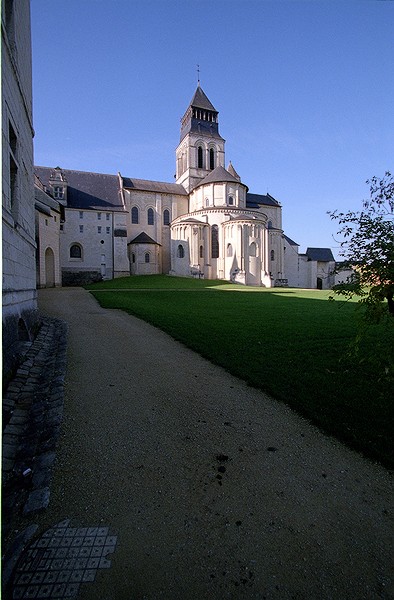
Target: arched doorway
column 49, row 268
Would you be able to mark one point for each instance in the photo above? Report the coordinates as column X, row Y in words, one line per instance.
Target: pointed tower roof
column 200, row 117
column 232, row 171
column 200, row 100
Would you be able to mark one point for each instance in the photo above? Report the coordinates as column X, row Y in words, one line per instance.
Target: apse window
column 147, row 257
column 181, row 251
column 134, row 215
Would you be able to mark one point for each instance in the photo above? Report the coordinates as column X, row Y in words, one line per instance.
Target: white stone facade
column 207, row 224
column 18, row 218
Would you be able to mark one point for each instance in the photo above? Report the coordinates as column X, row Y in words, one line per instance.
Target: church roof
column 255, row 200
column 87, row 190
column 218, row 175
column 320, row 254
column 44, row 202
column 192, row 220
column 232, row 171
column 154, row 186
column 200, row 100
column 290, row 241
column 143, row 238
column 244, row 217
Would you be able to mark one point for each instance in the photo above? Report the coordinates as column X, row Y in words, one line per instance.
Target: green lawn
column 293, row 344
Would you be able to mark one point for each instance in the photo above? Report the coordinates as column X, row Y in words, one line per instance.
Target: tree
column 368, row 249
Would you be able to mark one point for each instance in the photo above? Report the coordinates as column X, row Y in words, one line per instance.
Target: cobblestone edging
column 32, row 415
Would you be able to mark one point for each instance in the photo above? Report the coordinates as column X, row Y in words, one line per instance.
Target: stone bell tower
column 201, row 148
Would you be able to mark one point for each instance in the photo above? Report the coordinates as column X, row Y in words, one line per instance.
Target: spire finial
column 198, row 75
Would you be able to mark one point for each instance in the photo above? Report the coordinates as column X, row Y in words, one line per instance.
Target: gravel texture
column 213, row 489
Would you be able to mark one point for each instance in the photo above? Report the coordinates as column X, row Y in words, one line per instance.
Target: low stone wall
column 32, row 415
column 79, row 278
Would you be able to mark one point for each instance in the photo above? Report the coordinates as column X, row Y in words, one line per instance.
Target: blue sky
column 304, row 91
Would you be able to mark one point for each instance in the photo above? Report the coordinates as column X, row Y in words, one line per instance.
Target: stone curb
column 32, row 416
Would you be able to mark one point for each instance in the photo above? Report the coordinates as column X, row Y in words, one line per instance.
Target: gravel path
column 214, row 490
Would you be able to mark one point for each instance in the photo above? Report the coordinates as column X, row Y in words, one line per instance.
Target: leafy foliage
column 368, row 249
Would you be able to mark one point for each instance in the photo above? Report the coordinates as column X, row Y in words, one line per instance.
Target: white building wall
column 18, row 218
column 97, row 246
column 48, row 230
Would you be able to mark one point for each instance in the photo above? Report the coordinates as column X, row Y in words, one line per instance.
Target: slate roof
column 87, row 190
column 232, row 171
column 217, row 176
column 320, row 254
column 200, row 100
column 243, row 217
column 44, row 202
column 154, row 186
column 196, row 125
column 192, row 220
column 290, row 241
column 255, row 200
column 143, row 238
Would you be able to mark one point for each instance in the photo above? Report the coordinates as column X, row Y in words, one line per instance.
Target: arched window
column 269, row 224
column 134, row 215
column 252, row 249
column 147, row 257
column 272, row 254
column 166, row 217
column 211, row 159
column 206, row 201
column 200, row 162
column 76, row 251
column 231, row 200
column 181, row 251
column 151, row 219
column 201, row 252
column 215, row 241
column 133, row 257
column 229, row 250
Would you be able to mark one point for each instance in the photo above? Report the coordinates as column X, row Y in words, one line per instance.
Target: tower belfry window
column 200, row 163
column 211, row 159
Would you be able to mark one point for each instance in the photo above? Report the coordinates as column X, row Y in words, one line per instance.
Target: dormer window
column 58, row 192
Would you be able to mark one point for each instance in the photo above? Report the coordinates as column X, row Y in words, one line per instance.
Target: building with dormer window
column 206, row 224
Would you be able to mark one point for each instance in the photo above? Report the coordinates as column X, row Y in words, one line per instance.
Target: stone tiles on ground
column 55, row 565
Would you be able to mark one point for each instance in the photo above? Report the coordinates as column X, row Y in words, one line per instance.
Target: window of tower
column 200, row 162
column 272, row 254
column 211, row 159
column 231, row 200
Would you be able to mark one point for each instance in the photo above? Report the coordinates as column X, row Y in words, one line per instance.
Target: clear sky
column 304, row 90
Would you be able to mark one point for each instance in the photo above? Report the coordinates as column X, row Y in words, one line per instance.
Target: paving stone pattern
column 55, row 565
column 32, row 415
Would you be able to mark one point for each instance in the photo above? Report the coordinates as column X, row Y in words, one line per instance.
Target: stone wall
column 20, row 315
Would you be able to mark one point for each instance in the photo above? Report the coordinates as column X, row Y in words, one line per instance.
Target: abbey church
column 92, row 226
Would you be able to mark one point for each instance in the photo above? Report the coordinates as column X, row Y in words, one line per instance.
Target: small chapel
column 207, row 224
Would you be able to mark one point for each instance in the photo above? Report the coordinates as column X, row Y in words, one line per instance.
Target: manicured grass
column 293, row 344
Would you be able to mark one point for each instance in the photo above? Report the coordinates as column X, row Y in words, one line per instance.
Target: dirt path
column 213, row 489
